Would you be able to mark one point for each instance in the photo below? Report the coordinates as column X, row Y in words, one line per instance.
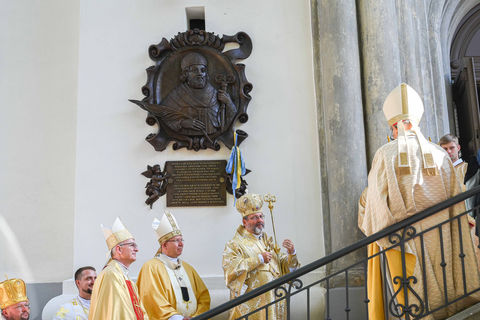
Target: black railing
column 402, row 236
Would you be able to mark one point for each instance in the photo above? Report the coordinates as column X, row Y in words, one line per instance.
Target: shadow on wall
column 13, row 263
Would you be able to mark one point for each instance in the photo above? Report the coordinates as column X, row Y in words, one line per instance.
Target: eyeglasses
column 177, row 240
column 131, row 244
column 257, row 217
column 21, row 306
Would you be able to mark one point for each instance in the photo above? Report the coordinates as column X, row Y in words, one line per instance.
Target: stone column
column 340, row 123
column 380, row 65
column 416, row 61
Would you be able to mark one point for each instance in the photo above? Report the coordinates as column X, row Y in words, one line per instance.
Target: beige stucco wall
column 38, row 92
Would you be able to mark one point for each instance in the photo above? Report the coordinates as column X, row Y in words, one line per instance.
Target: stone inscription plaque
column 196, row 183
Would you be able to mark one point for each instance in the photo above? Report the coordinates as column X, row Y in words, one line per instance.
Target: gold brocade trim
column 429, row 166
column 123, row 235
column 249, row 212
column 248, row 204
column 117, row 237
column 403, row 87
column 403, row 159
column 397, row 118
column 429, row 160
column 111, row 242
column 404, row 170
column 169, row 235
column 172, row 222
column 430, row 171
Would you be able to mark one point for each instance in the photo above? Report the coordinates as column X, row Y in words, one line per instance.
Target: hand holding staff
column 272, row 199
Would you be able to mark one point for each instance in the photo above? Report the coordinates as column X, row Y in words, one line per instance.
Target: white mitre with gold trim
column 117, row 234
column 404, row 103
column 166, row 228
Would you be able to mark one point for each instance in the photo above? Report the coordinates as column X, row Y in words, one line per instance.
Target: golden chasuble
column 157, row 293
column 461, row 170
column 244, row 272
column 111, row 298
column 392, row 197
column 186, row 302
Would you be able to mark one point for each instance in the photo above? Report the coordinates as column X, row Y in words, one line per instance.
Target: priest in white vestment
column 78, row 307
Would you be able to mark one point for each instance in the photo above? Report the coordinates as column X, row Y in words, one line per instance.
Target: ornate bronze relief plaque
column 196, row 91
column 196, row 183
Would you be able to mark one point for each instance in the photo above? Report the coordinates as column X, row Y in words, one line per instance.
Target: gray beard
column 258, row 230
column 197, row 83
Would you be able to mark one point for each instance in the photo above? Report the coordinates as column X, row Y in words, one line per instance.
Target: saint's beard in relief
column 195, row 107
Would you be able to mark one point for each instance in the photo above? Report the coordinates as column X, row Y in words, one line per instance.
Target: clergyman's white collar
column 456, row 163
column 122, row 267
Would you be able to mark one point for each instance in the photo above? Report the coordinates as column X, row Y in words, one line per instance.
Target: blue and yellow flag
column 236, row 167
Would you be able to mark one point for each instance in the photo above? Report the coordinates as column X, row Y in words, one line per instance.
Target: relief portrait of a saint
column 195, row 94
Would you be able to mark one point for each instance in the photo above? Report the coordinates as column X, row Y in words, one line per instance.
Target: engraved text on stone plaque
column 196, row 183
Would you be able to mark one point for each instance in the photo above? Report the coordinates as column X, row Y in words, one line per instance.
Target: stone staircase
column 472, row 313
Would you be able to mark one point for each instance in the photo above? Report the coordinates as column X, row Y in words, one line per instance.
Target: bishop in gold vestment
column 158, row 294
column 249, row 262
column 407, row 176
column 114, row 295
column 170, row 288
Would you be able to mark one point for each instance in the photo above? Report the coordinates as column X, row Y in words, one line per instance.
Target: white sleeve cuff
column 176, row 317
column 261, row 258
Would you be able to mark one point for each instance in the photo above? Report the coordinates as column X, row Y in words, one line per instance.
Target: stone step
column 472, row 313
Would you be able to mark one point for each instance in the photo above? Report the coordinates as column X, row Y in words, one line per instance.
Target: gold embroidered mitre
column 249, row 203
column 166, row 228
column 117, row 234
column 12, row 291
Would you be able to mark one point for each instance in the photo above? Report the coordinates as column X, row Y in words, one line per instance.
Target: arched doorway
column 465, row 76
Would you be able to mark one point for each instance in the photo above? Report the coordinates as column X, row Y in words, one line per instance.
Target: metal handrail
column 338, row 254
